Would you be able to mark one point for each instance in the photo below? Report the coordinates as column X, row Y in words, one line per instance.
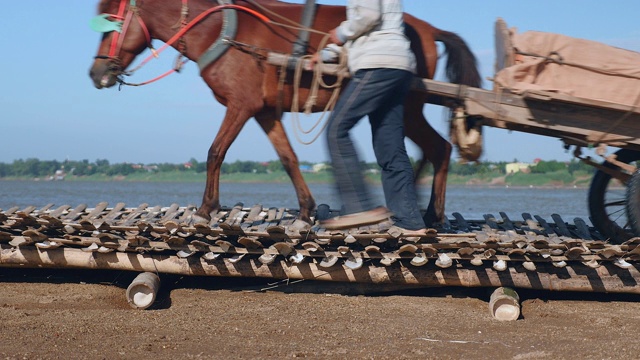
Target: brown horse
column 248, row 87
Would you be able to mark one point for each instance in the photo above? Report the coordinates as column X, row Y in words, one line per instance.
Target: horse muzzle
column 104, row 73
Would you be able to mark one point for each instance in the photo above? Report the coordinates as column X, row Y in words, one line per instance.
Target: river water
column 471, row 202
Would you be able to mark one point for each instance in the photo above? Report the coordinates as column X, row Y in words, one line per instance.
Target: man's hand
column 333, row 37
column 313, row 61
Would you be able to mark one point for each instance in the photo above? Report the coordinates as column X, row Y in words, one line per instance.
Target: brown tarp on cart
column 588, row 69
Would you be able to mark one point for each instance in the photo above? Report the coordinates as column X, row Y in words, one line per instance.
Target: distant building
column 306, row 168
column 59, row 175
column 515, row 167
column 320, row 167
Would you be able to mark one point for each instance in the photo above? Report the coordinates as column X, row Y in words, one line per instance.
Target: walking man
column 382, row 67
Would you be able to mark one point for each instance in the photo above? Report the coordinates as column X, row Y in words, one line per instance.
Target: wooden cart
column 578, row 122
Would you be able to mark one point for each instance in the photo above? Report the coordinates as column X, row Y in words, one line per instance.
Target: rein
column 120, row 27
column 118, row 36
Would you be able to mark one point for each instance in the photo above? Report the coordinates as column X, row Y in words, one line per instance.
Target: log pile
column 267, row 242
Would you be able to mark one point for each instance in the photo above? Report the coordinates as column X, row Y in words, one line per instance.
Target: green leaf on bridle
column 102, row 24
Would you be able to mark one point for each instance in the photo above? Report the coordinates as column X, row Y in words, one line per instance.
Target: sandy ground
column 83, row 314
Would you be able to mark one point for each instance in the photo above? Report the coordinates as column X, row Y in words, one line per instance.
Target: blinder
column 103, row 24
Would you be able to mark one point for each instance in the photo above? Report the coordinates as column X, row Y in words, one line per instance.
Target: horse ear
column 101, row 24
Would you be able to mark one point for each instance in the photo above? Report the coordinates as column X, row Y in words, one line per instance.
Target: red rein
column 117, row 39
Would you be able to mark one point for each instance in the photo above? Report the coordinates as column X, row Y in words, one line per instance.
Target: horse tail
column 462, row 66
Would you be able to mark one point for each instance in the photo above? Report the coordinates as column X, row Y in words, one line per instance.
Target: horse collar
column 229, row 31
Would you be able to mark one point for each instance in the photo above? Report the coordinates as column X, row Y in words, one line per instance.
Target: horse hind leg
column 435, row 149
column 272, row 126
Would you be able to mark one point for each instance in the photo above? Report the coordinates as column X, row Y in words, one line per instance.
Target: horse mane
column 103, row 5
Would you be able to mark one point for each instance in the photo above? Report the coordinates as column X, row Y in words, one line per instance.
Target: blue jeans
column 380, row 95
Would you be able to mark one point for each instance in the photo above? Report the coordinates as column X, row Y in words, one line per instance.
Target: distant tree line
column 36, row 168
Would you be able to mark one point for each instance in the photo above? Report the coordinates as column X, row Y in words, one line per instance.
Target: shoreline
column 470, row 184
column 557, row 179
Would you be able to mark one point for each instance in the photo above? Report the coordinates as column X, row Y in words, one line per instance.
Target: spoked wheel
column 633, row 203
column 608, row 200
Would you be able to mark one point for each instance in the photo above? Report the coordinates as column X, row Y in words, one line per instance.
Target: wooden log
column 328, row 69
column 142, row 291
column 504, row 304
column 575, row 277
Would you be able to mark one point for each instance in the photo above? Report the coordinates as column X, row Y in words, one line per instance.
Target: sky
column 50, row 110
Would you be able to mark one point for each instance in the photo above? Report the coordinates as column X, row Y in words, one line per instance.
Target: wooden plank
column 28, row 210
column 461, row 222
column 574, row 123
column 582, row 229
column 506, row 222
column 57, row 213
column 531, row 224
column 188, row 212
column 45, row 208
column 547, row 228
column 491, row 221
column 563, row 230
column 172, row 212
column 96, row 211
column 75, row 213
column 504, row 46
column 131, row 217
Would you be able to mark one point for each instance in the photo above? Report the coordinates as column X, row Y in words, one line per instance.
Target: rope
column 316, row 82
column 187, row 26
column 292, row 24
column 557, row 58
column 161, row 76
column 182, row 31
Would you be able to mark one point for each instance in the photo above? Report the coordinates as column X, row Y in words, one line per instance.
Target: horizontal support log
column 575, row 120
column 575, row 277
column 278, row 59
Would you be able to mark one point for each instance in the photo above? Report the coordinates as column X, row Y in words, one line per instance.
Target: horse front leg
column 435, row 149
column 234, row 120
column 272, row 126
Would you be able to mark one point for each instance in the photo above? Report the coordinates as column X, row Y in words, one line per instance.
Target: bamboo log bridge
column 269, row 243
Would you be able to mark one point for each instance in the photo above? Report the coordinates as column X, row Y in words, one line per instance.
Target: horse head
column 124, row 36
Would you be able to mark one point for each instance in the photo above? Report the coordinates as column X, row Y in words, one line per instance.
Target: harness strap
column 308, row 14
column 229, row 31
column 116, row 35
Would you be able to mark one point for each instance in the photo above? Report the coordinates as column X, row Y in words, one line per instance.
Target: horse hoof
column 300, row 226
column 431, row 220
column 197, row 219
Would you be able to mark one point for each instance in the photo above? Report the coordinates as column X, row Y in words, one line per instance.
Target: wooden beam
column 574, row 277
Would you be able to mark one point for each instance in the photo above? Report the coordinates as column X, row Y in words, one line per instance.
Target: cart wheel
column 633, row 203
column 608, row 201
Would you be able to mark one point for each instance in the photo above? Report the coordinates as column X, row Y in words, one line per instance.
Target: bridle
column 122, row 21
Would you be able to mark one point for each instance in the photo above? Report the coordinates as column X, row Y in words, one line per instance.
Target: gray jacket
column 374, row 36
